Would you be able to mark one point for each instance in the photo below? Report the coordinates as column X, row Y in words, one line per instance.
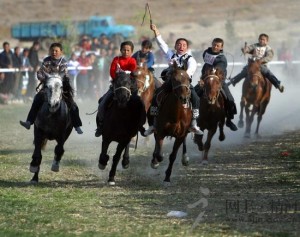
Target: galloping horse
column 256, row 92
column 53, row 122
column 212, row 110
column 145, row 84
column 174, row 118
column 124, row 117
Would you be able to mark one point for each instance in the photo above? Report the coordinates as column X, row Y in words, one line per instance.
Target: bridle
column 215, row 98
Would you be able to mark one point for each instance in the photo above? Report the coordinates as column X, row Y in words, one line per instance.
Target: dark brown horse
column 53, row 122
column 212, row 110
column 173, row 119
column 256, row 93
column 122, row 120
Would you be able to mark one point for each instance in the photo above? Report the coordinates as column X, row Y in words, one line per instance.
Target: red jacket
column 126, row 64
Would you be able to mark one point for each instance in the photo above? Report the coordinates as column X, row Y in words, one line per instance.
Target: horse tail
column 44, row 144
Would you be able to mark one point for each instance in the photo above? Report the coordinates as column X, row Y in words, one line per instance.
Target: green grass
column 78, row 202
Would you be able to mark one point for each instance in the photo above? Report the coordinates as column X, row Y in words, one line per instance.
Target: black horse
column 123, row 119
column 53, row 122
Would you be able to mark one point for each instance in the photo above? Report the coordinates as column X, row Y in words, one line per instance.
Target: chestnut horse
column 145, row 84
column 212, row 110
column 124, row 117
column 256, row 93
column 174, row 118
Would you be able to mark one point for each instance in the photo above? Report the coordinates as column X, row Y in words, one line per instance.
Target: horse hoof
column 185, row 160
column 204, row 162
column 101, row 167
column 125, row 163
column 111, row 182
column 221, row 138
column 240, row 124
column 55, row 166
column 33, row 169
column 247, row 135
column 154, row 165
column 167, row 183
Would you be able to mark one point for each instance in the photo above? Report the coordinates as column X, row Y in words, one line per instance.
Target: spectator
column 73, row 62
column 82, row 78
column 6, row 61
column 17, row 63
column 35, row 63
column 3, row 95
column 26, row 68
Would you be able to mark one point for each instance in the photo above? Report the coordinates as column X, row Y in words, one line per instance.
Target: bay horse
column 53, row 122
column 122, row 121
column 256, row 92
column 173, row 119
column 212, row 110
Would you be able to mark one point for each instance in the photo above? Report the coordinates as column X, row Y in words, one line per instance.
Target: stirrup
column 196, row 130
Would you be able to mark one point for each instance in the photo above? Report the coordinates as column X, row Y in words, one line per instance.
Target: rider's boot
column 99, row 130
column 26, row 124
column 78, row 130
column 231, row 125
column 152, row 128
column 194, row 128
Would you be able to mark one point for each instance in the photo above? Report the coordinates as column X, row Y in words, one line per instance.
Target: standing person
column 83, row 76
column 263, row 52
column 214, row 57
column 55, row 63
column 17, row 63
column 72, row 62
column 25, row 67
column 185, row 61
column 6, row 61
column 35, row 63
column 120, row 63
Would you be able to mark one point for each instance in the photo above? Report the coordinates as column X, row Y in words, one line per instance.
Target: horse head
column 142, row 76
column 254, row 74
column 180, row 83
column 53, row 89
column 212, row 84
column 122, row 88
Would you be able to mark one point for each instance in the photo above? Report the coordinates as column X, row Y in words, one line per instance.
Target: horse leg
column 262, row 110
column 207, row 145
column 58, row 151
column 241, row 121
column 221, row 129
column 198, row 141
column 172, row 158
column 35, row 178
column 185, row 159
column 157, row 156
column 116, row 159
column 103, row 158
column 37, row 153
column 125, row 161
column 248, row 121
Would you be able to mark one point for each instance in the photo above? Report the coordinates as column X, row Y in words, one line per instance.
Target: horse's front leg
column 125, row 161
column 157, row 156
column 37, row 153
column 249, row 121
column 103, row 158
column 58, row 151
column 172, row 157
column 116, row 159
column 207, row 145
column 262, row 110
column 185, row 159
column 221, row 129
column 241, row 118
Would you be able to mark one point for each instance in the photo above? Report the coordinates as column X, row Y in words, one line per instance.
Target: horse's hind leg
column 241, row 118
column 116, row 159
column 37, row 153
column 35, row 178
column 185, row 159
column 157, row 156
column 125, row 161
column 172, row 158
column 58, row 151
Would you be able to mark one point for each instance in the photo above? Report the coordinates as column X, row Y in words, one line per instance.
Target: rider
column 120, row 63
column 263, row 52
column 145, row 55
column 214, row 57
column 55, row 63
column 184, row 61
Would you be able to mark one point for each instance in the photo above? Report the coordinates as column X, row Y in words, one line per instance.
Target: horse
column 173, row 119
column 145, row 84
column 256, row 92
column 212, row 110
column 123, row 119
column 53, row 122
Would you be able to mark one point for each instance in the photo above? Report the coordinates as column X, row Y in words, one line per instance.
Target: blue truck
column 93, row 27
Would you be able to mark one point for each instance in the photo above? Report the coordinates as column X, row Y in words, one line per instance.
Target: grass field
column 246, row 190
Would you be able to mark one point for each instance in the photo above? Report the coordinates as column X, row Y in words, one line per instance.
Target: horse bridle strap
column 209, row 76
column 123, row 87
